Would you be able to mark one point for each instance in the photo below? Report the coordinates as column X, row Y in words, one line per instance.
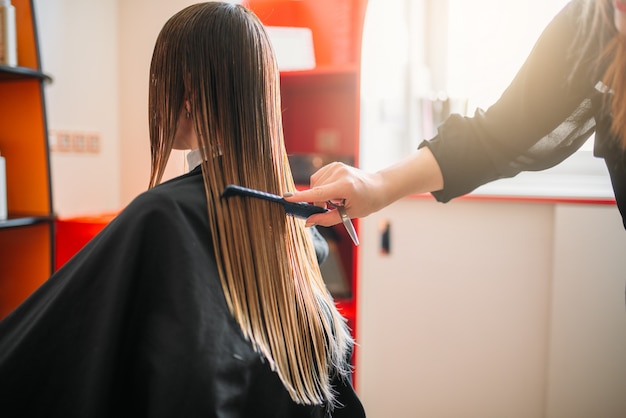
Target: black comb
column 297, row 209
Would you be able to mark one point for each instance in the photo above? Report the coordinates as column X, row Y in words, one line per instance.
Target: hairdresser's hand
column 365, row 193
column 362, row 193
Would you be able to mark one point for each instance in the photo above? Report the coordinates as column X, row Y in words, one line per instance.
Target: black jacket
column 136, row 324
column 544, row 116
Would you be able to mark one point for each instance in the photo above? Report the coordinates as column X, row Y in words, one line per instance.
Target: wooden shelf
column 327, row 78
column 15, row 221
column 324, row 71
column 22, row 73
column 27, row 236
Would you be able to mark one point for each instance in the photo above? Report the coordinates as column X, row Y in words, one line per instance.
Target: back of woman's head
column 216, row 61
column 217, row 57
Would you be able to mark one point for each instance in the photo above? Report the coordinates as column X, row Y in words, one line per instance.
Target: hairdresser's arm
column 365, row 193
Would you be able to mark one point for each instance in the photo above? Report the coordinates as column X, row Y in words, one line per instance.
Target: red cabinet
column 321, row 113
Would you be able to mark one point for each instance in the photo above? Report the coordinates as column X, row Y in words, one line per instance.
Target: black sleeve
column 539, row 120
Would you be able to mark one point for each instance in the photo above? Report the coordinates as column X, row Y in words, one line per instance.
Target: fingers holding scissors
column 345, row 219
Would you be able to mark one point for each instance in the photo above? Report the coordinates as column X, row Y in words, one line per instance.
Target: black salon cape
column 136, row 324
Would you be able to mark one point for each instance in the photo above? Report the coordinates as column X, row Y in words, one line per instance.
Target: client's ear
column 187, row 108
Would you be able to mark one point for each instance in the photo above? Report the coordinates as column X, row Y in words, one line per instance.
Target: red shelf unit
column 321, row 106
column 27, row 236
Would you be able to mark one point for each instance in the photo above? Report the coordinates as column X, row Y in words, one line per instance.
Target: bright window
column 488, row 40
column 468, row 51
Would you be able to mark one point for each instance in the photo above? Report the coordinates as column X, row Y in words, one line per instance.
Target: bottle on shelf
column 8, row 36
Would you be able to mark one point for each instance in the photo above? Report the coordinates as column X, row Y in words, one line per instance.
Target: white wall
column 78, row 49
column 139, row 24
column 98, row 53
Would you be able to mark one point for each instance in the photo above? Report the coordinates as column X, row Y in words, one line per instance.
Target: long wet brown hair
column 218, row 57
column 599, row 34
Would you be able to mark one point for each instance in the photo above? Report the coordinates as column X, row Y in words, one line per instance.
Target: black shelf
column 8, row 73
column 15, row 221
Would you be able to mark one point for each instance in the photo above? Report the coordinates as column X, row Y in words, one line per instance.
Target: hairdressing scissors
column 347, row 223
column 298, row 209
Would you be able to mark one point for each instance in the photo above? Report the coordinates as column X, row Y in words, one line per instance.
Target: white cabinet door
column 453, row 322
column 587, row 367
column 489, row 308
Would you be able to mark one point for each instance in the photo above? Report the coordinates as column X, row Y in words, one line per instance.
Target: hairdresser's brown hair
column 615, row 75
column 219, row 58
column 598, row 34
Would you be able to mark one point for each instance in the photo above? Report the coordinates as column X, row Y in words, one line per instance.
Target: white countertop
column 582, row 176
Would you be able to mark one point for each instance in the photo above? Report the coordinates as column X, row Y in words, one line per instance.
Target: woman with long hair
column 215, row 83
column 572, row 85
column 188, row 304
